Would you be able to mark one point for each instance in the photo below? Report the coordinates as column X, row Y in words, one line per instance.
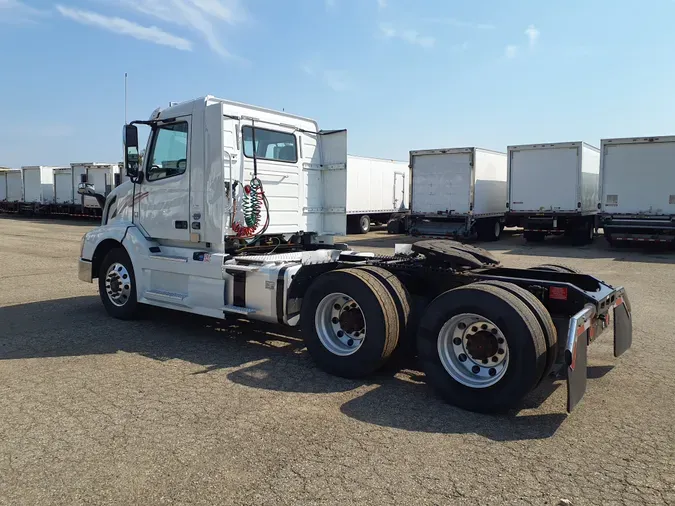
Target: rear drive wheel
column 481, row 347
column 407, row 315
column 350, row 323
column 534, row 236
column 117, row 285
column 542, row 315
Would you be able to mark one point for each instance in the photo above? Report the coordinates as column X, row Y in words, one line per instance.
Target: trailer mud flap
column 576, row 356
column 623, row 326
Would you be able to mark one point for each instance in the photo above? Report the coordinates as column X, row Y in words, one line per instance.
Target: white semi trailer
column 638, row 189
column 38, row 184
column 233, row 212
column 376, row 189
column 554, row 190
column 459, row 192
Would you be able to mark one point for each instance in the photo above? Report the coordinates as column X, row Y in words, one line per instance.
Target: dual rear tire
column 483, row 346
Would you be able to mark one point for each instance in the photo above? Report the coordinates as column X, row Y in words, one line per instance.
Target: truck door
column 399, row 191
column 164, row 196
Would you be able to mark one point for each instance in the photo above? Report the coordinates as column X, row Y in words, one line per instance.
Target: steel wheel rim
column 497, row 229
column 335, row 320
column 118, row 284
column 463, row 357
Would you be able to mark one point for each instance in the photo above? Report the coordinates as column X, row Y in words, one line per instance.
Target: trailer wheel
column 490, row 230
column 117, row 285
column 364, row 224
column 349, row 322
column 583, row 235
column 556, row 268
column 542, row 315
column 481, row 347
column 534, row 236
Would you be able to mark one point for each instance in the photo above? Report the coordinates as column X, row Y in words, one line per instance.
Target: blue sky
column 398, row 74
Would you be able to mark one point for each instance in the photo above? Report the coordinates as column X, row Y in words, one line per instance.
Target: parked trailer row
column 53, row 190
column 567, row 188
column 376, row 188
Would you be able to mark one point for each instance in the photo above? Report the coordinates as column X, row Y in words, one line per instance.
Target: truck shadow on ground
column 262, row 356
column 512, row 243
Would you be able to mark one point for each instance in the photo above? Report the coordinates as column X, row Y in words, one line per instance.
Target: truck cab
column 217, row 176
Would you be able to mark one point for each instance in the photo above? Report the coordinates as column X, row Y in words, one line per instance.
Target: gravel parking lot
column 177, row 409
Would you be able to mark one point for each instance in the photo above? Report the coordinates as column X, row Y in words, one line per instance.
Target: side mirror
column 87, row 189
column 131, row 153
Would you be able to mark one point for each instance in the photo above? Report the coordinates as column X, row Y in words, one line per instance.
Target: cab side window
column 168, row 154
column 270, row 145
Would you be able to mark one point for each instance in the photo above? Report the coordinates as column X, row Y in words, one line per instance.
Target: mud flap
column 623, row 327
column 576, row 356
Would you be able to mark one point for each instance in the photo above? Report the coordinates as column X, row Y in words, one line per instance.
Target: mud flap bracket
column 576, row 355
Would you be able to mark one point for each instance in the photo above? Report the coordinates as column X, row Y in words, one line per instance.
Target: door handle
column 181, row 225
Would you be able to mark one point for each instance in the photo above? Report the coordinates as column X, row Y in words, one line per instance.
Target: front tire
column 350, row 323
column 117, row 285
column 481, row 348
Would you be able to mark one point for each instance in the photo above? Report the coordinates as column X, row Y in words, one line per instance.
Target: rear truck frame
column 635, row 228
column 187, row 232
column 487, row 227
column 579, row 226
column 485, row 335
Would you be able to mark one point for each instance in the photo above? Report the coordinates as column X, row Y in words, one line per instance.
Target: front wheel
column 117, row 285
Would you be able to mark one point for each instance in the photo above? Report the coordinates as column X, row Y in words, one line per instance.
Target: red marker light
column 558, row 293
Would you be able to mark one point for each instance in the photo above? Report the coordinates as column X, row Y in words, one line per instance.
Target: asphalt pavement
column 178, row 409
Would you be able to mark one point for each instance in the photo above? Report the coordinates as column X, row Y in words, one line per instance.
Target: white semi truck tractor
column 233, row 213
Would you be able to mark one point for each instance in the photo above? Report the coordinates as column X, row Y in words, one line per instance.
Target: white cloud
column 125, row 27
column 532, row 35
column 511, row 52
column 461, row 24
column 409, row 36
column 203, row 16
column 337, row 80
column 14, row 11
column 382, row 4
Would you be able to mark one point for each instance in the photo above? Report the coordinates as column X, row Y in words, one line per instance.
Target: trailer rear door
column 441, row 181
column 639, row 177
column 544, row 179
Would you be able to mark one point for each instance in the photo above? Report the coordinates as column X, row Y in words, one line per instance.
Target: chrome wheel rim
column 473, row 350
column 118, row 284
column 340, row 324
column 497, row 229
